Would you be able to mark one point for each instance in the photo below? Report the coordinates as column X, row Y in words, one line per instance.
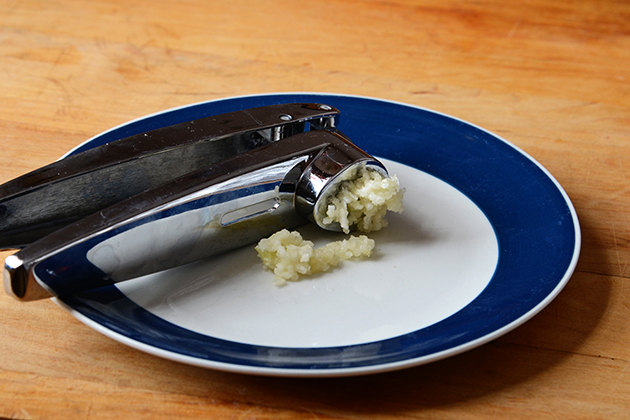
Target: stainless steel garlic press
column 171, row 196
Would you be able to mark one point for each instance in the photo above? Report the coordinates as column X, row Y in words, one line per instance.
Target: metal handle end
column 19, row 284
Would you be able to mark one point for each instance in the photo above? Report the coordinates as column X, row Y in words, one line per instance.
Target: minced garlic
column 363, row 201
column 290, row 256
column 359, row 202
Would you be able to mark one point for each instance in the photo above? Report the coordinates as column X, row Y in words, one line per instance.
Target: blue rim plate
column 535, row 224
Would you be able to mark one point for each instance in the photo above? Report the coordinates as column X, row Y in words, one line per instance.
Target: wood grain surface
column 552, row 77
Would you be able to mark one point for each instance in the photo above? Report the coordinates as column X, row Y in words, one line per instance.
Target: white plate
column 487, row 239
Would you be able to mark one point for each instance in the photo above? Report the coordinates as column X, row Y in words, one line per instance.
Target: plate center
column 432, row 261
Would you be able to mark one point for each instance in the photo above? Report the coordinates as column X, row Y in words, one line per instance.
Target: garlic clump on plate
column 289, row 256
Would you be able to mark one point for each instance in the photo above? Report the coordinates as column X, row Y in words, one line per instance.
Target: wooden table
column 552, row 77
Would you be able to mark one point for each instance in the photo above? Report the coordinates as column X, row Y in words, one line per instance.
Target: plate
column 487, row 239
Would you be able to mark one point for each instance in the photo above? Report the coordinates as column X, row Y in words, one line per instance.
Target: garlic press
column 171, row 196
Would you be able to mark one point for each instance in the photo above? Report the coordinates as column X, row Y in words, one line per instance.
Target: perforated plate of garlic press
column 487, row 239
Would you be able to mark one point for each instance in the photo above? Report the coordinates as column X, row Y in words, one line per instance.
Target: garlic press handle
column 42, row 201
column 232, row 203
